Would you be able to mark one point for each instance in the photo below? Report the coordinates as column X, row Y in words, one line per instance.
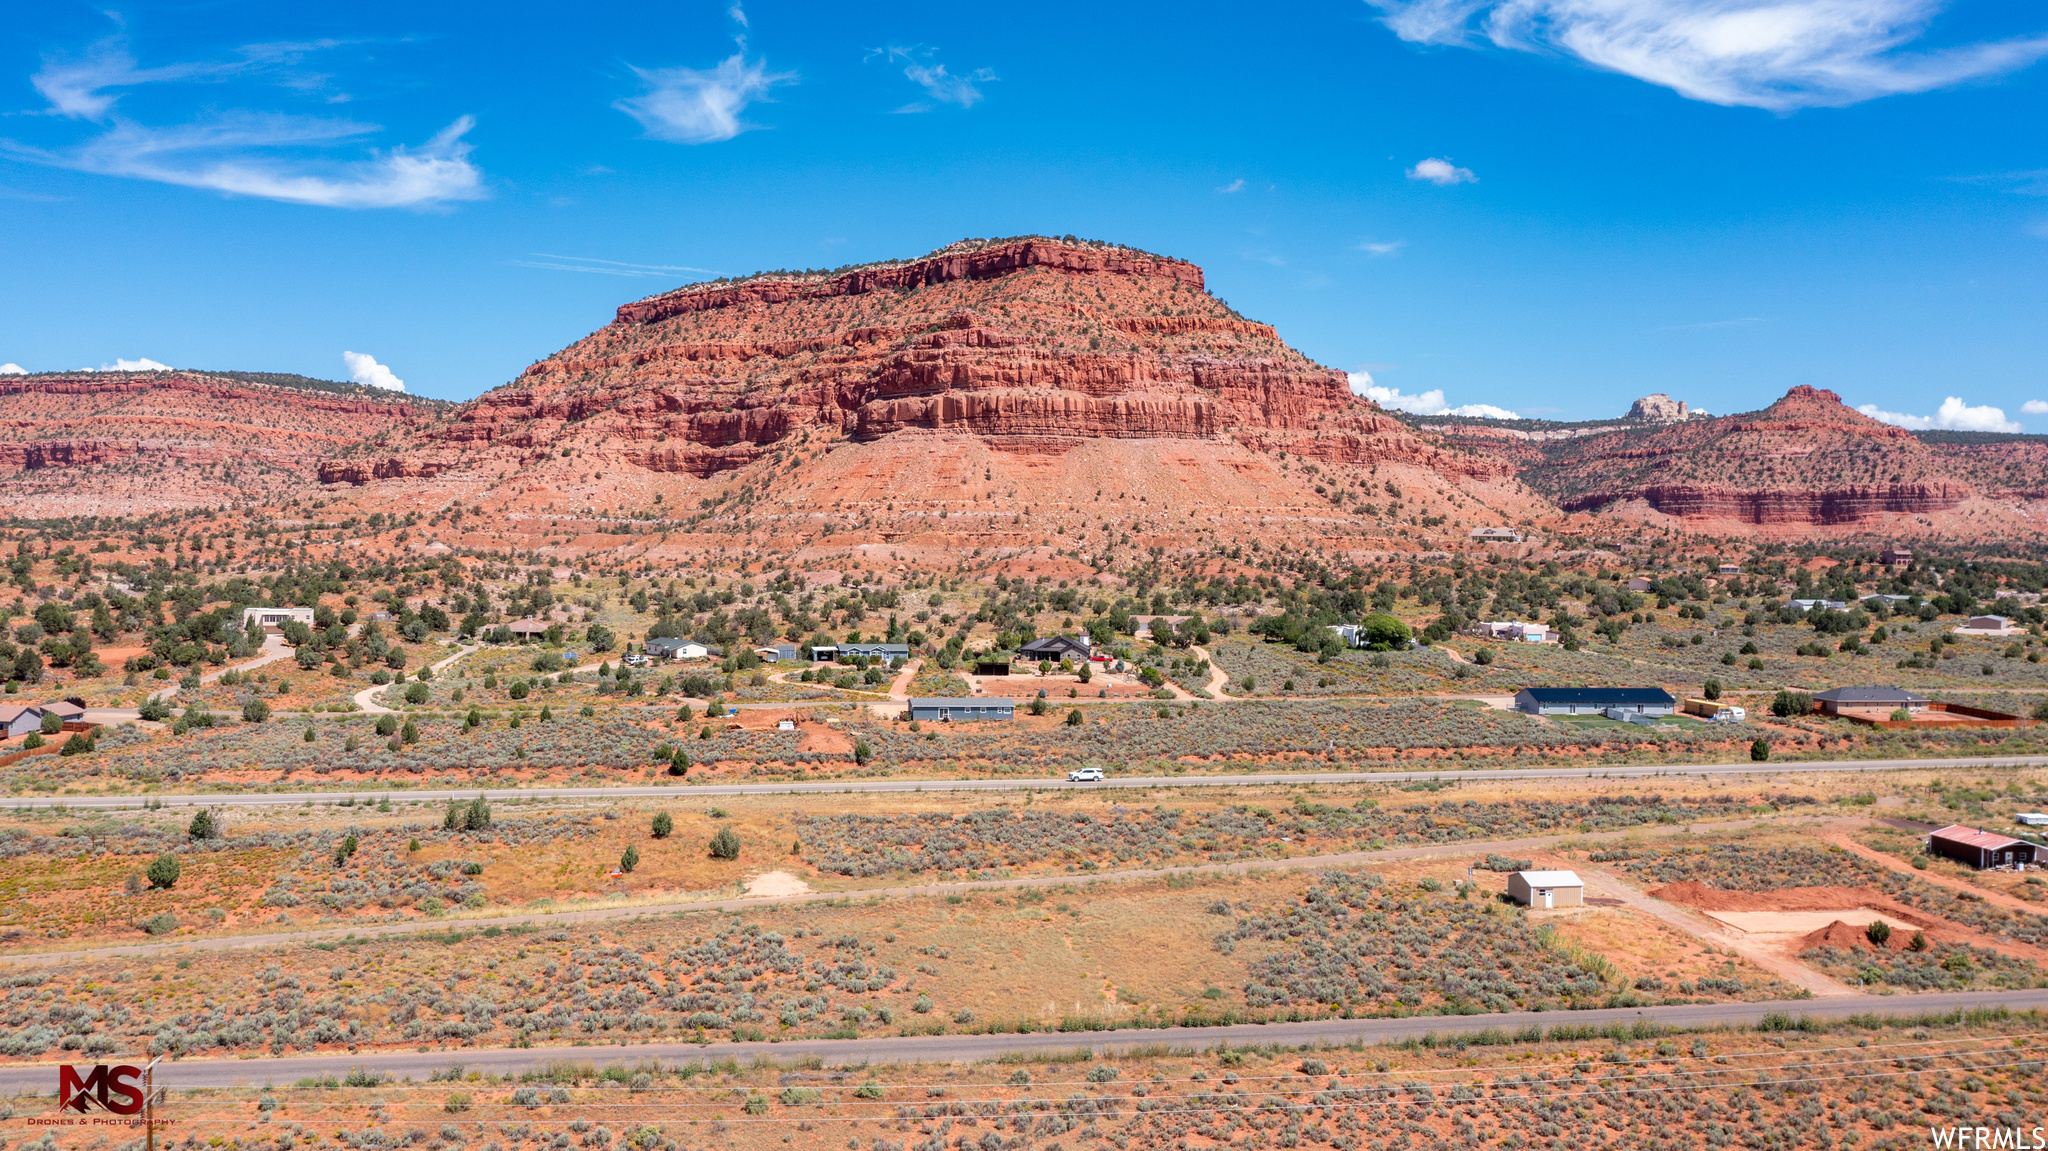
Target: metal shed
column 1547, row 889
column 1980, row 849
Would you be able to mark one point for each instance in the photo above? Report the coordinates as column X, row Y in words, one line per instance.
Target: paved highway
column 197, row 1073
column 839, row 787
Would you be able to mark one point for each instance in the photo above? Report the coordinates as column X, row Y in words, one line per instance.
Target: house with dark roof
column 673, row 647
column 1980, row 849
column 1595, row 700
column 1054, row 648
column 1836, row 700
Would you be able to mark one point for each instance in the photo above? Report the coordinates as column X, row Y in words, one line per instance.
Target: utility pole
column 149, row 1104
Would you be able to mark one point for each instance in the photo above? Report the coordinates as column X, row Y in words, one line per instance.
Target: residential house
column 1837, row 700
column 1980, row 849
column 670, row 647
column 1895, row 557
column 882, row 651
column 18, row 719
column 275, row 617
column 953, row 709
column 1054, row 648
column 1512, row 630
column 1496, row 535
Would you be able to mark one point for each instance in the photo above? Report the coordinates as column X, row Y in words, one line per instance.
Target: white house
column 1547, row 889
column 275, row 617
column 1513, row 630
column 663, row 648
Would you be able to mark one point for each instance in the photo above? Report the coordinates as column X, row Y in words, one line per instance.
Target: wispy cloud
column 1442, row 173
column 1429, row 403
column 692, row 106
column 1236, row 185
column 554, row 263
column 258, row 154
column 1705, row 325
column 364, row 369
column 1775, row 54
column 1380, row 247
column 1953, row 415
column 2033, row 182
column 141, row 364
column 946, row 87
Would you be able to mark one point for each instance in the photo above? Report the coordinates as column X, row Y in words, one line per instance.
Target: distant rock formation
column 1658, row 408
column 118, row 443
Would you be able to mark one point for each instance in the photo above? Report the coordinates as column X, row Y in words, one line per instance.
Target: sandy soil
column 776, row 883
column 1794, row 922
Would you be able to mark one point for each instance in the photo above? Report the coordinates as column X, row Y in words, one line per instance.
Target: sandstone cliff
column 94, row 443
column 1806, row 460
column 1033, row 353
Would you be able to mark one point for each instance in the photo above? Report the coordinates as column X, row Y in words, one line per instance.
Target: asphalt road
column 196, row 1073
column 839, row 787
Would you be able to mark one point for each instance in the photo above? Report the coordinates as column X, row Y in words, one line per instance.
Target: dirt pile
column 1849, row 938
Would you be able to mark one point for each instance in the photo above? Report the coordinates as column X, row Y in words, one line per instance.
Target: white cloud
column 144, row 364
column 1953, row 415
column 688, row 106
column 1775, row 54
column 1442, row 173
column 1381, row 247
column 1234, row 186
column 941, row 85
column 948, row 88
column 366, row 370
column 240, row 152
column 2035, row 407
column 12, row 370
column 1429, row 403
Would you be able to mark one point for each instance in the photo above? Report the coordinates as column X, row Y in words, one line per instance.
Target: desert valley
column 1007, row 698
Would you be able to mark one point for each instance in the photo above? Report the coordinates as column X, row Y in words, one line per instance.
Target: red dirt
column 1902, row 918
column 1699, row 895
column 1848, row 938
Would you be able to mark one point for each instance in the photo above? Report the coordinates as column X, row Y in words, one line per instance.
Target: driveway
column 366, row 699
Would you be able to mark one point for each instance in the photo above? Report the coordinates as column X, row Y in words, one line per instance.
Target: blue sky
column 1544, row 206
